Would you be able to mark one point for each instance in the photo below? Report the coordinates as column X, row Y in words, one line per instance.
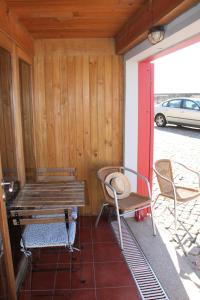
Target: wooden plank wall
column 7, row 140
column 78, row 108
column 12, row 28
column 15, row 39
column 27, row 119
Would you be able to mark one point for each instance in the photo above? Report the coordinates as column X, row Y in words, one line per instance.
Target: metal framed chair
column 132, row 203
column 168, row 189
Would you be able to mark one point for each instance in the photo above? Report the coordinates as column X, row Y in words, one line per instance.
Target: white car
column 178, row 111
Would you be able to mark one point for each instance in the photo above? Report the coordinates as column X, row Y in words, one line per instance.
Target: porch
column 76, row 91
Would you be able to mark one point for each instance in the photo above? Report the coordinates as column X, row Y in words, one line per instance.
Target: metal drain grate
column 145, row 278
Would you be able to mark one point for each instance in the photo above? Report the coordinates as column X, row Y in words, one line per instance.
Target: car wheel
column 160, row 120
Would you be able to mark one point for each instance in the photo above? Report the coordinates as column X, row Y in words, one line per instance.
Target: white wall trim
column 131, row 119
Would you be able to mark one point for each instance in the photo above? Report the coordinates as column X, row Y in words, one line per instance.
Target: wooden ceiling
column 126, row 20
column 74, row 18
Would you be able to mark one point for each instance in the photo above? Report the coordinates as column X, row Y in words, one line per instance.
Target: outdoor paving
column 182, row 145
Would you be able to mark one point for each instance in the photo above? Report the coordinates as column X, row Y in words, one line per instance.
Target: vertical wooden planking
column 27, row 119
column 64, row 146
column 120, row 80
column 79, row 96
column 108, row 108
column 17, row 117
column 56, row 103
column 72, row 111
column 101, row 120
column 79, row 114
column 39, row 106
column 49, row 99
column 94, row 129
column 87, row 129
column 116, row 147
column 7, row 140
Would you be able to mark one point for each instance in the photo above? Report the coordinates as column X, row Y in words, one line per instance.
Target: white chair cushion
column 49, row 235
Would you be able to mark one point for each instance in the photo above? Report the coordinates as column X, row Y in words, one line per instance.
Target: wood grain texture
column 16, row 32
column 128, row 21
column 88, row 18
column 15, row 39
column 17, row 117
column 155, row 12
column 78, row 108
column 27, row 118
column 7, row 140
column 4, row 231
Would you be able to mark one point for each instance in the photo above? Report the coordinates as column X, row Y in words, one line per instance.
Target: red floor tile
column 35, row 295
column 65, row 256
column 85, row 254
column 86, row 221
column 83, row 295
column 112, row 275
column 105, row 252
column 122, row 293
column 83, row 278
column 85, row 235
column 98, row 272
column 62, row 279
column 47, row 256
column 43, row 280
column 103, row 234
column 27, row 281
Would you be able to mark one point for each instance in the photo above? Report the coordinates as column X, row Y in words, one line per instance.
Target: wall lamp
column 156, row 34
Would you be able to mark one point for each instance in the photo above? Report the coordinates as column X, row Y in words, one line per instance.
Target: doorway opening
column 177, row 140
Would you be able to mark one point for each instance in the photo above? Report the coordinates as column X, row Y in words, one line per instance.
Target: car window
column 188, row 104
column 165, row 104
column 175, row 103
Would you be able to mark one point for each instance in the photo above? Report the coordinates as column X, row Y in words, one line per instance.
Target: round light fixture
column 156, row 34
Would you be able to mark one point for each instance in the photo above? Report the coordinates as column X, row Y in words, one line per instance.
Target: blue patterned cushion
column 49, row 235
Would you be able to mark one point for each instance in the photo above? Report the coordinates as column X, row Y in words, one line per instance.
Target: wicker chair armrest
column 189, row 169
column 144, row 178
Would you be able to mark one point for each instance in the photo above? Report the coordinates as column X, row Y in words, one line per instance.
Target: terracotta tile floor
column 98, row 272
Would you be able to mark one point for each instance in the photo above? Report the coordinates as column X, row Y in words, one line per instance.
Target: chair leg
column 154, row 202
column 100, row 213
column 120, row 230
column 152, row 220
column 175, row 216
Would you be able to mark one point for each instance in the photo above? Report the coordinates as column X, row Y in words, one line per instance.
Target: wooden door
column 8, row 172
column 7, row 278
column 25, row 79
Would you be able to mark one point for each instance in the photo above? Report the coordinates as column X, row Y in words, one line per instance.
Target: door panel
column 173, row 111
column 191, row 113
column 27, row 119
column 8, row 172
column 7, row 278
column 7, row 141
column 3, row 279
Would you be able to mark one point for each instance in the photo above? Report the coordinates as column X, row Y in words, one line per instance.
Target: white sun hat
column 120, row 183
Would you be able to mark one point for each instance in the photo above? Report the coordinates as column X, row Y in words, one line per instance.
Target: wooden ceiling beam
column 160, row 12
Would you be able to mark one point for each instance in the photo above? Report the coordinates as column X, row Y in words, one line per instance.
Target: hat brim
column 126, row 182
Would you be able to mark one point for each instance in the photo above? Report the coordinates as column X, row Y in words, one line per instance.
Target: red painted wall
column 145, row 122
